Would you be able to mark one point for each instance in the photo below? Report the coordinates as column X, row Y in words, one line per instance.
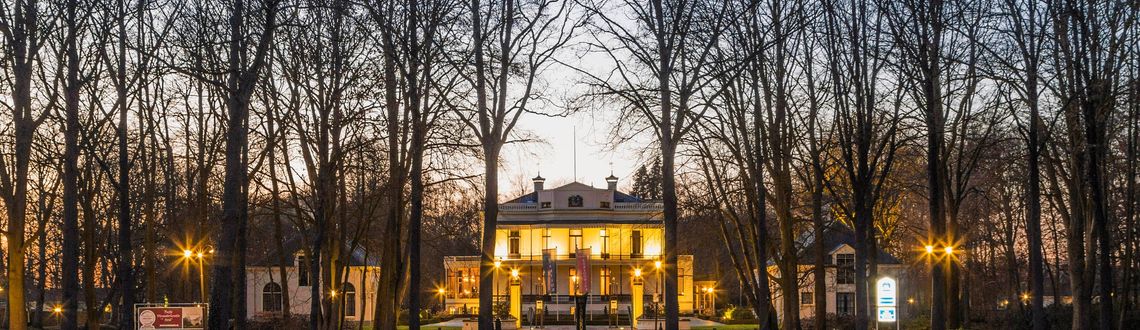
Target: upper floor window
column 845, row 273
column 575, row 242
column 302, row 270
column 605, row 244
column 574, row 201
column 544, row 205
column 605, row 205
column 635, row 240
column 513, row 248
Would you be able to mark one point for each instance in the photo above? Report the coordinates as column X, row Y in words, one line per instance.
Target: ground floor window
column 349, row 299
column 271, row 297
column 845, row 303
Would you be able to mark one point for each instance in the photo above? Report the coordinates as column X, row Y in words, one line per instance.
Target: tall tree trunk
column 227, row 288
column 935, row 169
column 1033, row 203
column 416, row 153
column 69, row 270
column 125, row 266
column 668, row 153
column 22, row 34
column 392, row 256
column 283, row 260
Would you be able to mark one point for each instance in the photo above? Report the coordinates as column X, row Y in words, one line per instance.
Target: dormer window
column 845, row 274
column 574, row 201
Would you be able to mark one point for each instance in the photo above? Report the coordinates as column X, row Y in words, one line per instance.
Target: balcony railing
column 632, row 207
column 518, row 207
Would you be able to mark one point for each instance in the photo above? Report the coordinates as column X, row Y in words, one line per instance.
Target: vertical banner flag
column 549, row 272
column 584, row 271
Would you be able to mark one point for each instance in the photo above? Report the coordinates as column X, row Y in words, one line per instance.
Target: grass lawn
column 729, row 327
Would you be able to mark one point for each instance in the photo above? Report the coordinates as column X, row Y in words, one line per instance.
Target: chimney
column 538, row 180
column 611, row 182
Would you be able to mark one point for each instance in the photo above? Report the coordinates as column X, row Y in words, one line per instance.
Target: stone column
column 516, row 301
column 637, row 294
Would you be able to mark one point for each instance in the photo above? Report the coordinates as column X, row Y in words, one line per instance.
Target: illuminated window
column 575, row 242
column 573, row 281
column 605, row 281
column 635, row 251
column 605, row 244
column 514, row 244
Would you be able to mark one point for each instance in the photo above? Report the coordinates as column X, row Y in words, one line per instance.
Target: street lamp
column 657, row 291
column 495, row 281
column 189, row 256
column 442, row 295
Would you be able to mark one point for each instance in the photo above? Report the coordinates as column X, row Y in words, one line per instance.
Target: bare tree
column 23, row 32
column 1090, row 39
column 70, row 262
column 242, row 72
column 867, row 136
column 529, row 35
column 1027, row 21
column 918, row 28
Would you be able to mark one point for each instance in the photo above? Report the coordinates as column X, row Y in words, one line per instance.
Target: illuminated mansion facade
column 623, row 235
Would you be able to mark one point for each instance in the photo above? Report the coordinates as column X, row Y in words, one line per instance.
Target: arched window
column 349, row 299
column 271, row 297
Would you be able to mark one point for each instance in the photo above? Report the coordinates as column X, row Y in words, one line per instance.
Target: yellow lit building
column 623, row 233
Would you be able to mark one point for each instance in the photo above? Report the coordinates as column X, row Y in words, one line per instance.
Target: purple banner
column 583, row 271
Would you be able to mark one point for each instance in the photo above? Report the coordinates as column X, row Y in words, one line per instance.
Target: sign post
column 161, row 316
column 886, row 293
